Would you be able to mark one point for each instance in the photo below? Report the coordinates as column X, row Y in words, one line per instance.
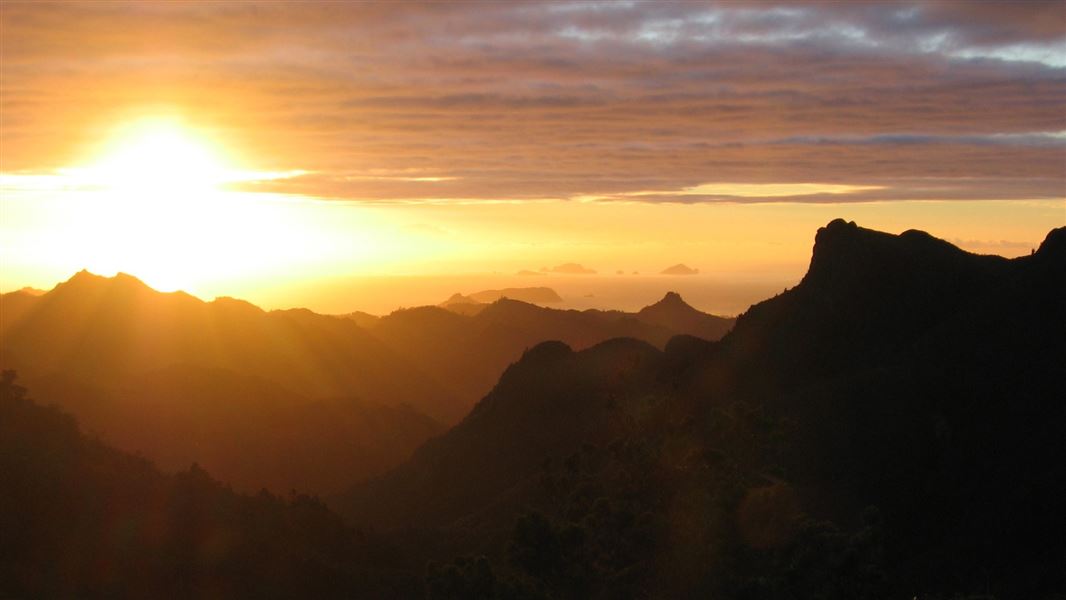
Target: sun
column 176, row 206
column 158, row 156
column 159, row 206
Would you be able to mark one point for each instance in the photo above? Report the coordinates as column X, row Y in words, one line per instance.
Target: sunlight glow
column 155, row 204
column 157, row 154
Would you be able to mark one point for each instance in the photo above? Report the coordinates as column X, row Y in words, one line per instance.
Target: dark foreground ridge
column 888, row 428
column 81, row 519
column 892, row 427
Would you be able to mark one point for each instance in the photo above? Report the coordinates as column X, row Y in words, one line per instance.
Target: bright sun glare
column 159, row 156
column 178, row 207
column 155, row 202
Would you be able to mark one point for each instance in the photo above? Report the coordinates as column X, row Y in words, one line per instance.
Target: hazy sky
column 472, row 137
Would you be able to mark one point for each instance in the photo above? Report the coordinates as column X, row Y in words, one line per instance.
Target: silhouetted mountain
column 550, row 402
column 893, row 426
column 674, row 314
column 223, row 383
column 107, row 329
column 14, row 305
column 248, row 430
column 362, row 319
column 458, row 298
column 462, row 305
column 866, row 295
column 80, row 519
column 469, row 351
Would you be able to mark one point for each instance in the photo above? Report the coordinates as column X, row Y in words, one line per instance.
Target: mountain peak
column 85, row 285
column 844, row 252
column 86, row 280
column 86, row 276
column 1054, row 245
column 672, row 300
column 235, row 305
column 674, row 313
column 127, row 279
column 458, row 298
column 31, row 291
column 837, row 226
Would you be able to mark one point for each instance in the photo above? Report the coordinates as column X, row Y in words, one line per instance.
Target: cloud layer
column 594, row 101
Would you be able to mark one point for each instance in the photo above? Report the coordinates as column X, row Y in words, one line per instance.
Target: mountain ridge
column 468, row 351
column 864, row 409
column 121, row 357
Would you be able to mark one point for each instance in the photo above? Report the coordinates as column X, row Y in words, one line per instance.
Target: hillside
column 887, row 428
column 283, row 399
column 80, row 519
column 104, row 330
column 247, row 430
column 674, row 314
column 467, row 350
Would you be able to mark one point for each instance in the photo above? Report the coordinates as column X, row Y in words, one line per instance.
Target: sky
column 275, row 151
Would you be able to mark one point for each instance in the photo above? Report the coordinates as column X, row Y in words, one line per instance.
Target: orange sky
column 270, row 150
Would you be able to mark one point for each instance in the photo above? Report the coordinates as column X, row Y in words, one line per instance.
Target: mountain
column 108, row 329
column 468, row 350
column 675, row 314
column 246, row 429
column 81, row 519
column 14, row 306
column 32, row 291
column 549, row 403
column 458, row 298
column 280, row 399
column 362, row 319
column 462, row 305
column 893, row 426
column 223, row 383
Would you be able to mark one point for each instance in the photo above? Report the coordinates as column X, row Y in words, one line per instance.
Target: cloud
column 532, row 101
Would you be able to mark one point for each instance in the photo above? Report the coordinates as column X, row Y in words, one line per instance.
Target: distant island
column 679, row 269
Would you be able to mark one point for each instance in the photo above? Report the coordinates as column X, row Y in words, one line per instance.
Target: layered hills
column 887, row 428
column 281, row 399
column 891, row 427
column 109, row 329
column 81, row 519
column 468, row 352
column 285, row 398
